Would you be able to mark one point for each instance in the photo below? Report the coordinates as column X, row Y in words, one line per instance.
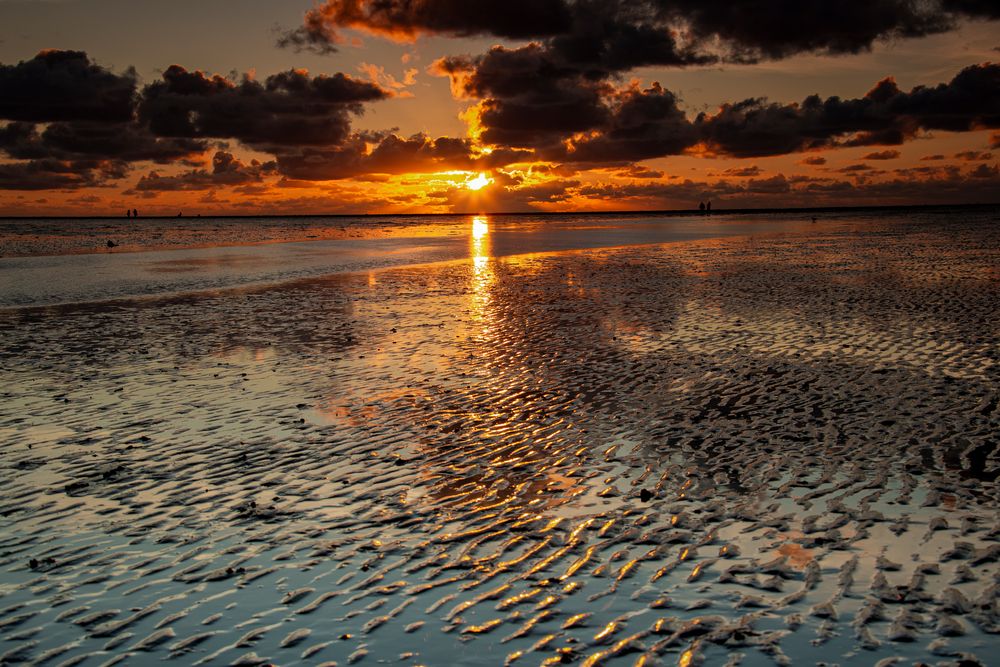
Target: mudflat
column 750, row 449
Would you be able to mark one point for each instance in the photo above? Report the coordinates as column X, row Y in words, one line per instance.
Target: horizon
column 678, row 212
column 342, row 106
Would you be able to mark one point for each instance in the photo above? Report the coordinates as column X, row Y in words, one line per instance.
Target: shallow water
column 72, row 264
column 743, row 450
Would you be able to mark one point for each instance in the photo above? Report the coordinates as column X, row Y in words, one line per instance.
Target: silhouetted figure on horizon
column 708, row 207
column 179, row 214
column 128, row 213
column 135, row 213
column 701, row 206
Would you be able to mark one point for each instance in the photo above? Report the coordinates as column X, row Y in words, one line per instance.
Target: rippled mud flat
column 739, row 451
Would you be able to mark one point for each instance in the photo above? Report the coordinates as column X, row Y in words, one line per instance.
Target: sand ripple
column 737, row 451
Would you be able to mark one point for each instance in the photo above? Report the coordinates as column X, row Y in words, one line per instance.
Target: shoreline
column 49, row 280
column 43, row 236
column 541, row 213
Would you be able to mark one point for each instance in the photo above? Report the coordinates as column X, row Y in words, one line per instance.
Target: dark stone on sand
column 646, row 495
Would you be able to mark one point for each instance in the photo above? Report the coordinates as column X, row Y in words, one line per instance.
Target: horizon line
column 668, row 212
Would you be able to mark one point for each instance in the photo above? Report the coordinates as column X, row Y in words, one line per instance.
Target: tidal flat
column 777, row 446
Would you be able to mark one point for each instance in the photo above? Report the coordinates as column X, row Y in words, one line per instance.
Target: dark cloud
column 71, row 123
column 638, row 171
column 815, row 160
column 65, row 86
column 985, row 171
column 969, row 101
column 82, row 140
column 618, row 35
column 226, row 171
column 287, row 109
column 75, row 124
column 661, row 195
column 640, row 124
column 563, row 170
column 986, row 9
column 974, row 156
column 776, row 184
column 882, row 155
column 743, row 172
column 52, row 174
column 557, row 95
column 516, row 19
column 853, row 168
column 529, row 100
column 885, row 115
column 756, row 30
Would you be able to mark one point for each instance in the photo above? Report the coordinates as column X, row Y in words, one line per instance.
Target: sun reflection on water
column 482, row 272
column 480, row 227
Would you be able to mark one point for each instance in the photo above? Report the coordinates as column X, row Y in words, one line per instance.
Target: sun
column 479, row 182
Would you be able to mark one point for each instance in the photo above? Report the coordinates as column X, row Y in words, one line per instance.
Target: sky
column 436, row 106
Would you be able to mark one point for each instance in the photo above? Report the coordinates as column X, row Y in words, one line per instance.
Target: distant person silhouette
column 701, row 206
column 708, row 207
column 128, row 213
column 179, row 214
column 135, row 213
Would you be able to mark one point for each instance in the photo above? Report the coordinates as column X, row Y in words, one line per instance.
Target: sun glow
column 479, row 182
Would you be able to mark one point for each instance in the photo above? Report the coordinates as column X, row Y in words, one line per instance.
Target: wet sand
column 25, row 237
column 777, row 449
column 268, row 250
column 32, row 237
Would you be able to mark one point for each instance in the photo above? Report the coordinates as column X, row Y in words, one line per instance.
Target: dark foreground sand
column 777, row 450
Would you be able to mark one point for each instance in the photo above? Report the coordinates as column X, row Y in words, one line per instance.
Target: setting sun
column 479, row 182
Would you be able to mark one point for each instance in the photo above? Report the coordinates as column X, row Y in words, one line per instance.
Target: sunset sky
column 351, row 106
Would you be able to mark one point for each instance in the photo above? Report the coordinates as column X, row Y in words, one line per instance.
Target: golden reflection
column 480, row 227
column 798, row 556
column 482, row 273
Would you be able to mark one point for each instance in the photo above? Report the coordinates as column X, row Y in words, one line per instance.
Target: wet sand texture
column 761, row 451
